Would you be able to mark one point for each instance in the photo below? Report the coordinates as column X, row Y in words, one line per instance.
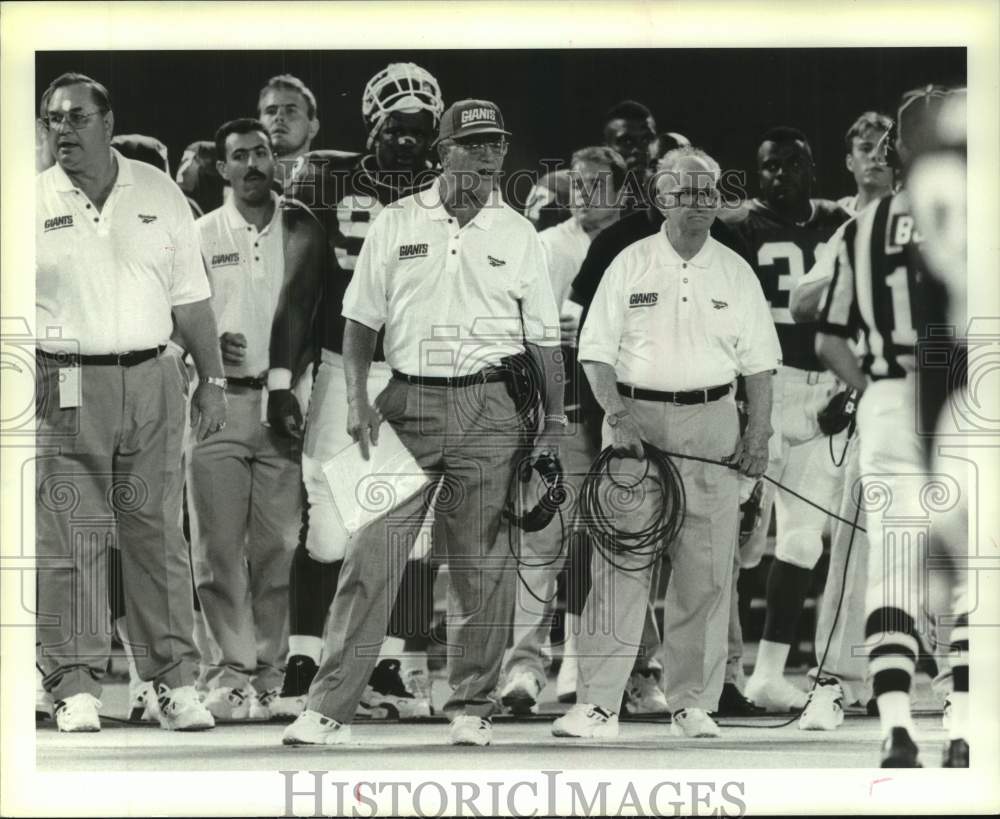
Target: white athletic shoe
column 288, row 707
column 260, row 703
column 469, row 730
column 520, row 692
column 566, row 679
column 693, row 722
column 181, row 709
column 643, row 694
column 588, row 721
column 141, row 701
column 824, row 708
column 78, row 713
column 312, row 728
column 776, row 695
column 43, row 699
column 228, row 704
column 418, row 683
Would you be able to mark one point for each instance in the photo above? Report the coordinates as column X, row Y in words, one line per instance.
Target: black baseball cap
column 468, row 117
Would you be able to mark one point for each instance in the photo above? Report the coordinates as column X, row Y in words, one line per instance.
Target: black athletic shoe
column 732, row 703
column 871, row 707
column 299, row 674
column 386, row 690
column 956, row 754
column 899, row 751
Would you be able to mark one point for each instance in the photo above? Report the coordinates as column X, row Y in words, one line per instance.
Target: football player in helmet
column 401, row 107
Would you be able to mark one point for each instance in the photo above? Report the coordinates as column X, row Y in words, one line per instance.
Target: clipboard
column 364, row 491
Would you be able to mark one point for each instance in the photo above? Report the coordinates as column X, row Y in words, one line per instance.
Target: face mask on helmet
column 399, row 87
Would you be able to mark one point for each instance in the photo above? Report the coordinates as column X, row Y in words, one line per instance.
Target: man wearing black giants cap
column 783, row 228
column 458, row 280
column 401, row 106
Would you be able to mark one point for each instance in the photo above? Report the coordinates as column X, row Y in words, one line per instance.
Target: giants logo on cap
column 477, row 114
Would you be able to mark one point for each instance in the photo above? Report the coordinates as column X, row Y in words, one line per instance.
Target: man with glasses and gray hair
column 117, row 267
column 676, row 318
column 458, row 280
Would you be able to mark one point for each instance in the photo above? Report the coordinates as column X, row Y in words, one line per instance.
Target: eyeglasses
column 483, row 143
column 686, row 197
column 76, row 119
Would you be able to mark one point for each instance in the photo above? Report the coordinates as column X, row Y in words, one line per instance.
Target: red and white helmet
column 399, row 87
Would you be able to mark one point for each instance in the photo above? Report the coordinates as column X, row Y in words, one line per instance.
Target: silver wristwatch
column 614, row 417
column 213, row 380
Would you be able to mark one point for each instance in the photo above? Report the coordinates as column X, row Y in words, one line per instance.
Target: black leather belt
column 486, row 376
column 111, row 359
column 687, row 397
column 252, row 382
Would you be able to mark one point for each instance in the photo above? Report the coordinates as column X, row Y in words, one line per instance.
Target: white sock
column 771, row 659
column 305, row 645
column 410, row 661
column 392, row 648
column 959, row 722
column 894, row 711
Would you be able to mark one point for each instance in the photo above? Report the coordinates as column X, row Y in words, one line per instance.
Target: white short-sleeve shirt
column 246, row 268
column 666, row 323
column 566, row 246
column 452, row 299
column 106, row 282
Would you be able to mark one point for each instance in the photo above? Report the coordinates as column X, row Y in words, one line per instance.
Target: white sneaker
column 566, row 679
column 260, row 703
column 824, row 708
column 43, row 699
column 469, row 730
column 520, row 692
column 643, row 694
column 78, row 713
column 285, row 707
column 181, row 709
column 418, row 683
column 228, row 704
column 141, row 701
column 776, row 695
column 693, row 722
column 312, row 728
column 585, row 720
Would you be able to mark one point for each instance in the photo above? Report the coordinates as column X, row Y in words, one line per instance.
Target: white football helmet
column 399, row 87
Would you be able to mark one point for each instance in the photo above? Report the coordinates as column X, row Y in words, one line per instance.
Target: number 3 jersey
column 782, row 252
column 879, row 288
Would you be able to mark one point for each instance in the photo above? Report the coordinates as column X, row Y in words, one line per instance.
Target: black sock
column 787, row 586
column 311, row 588
column 960, row 662
column 893, row 642
column 414, row 609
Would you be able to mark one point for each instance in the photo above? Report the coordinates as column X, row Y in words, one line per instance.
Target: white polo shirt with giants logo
column 106, row 282
column 246, row 268
column 452, row 299
column 666, row 323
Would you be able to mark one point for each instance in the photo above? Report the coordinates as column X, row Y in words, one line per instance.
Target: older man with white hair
column 676, row 318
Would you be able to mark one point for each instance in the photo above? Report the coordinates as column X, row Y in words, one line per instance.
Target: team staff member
column 401, row 106
column 454, row 257
column 596, row 175
column 244, row 483
column 784, row 227
column 117, row 257
column 675, row 320
column 880, row 289
column 643, row 692
column 866, row 161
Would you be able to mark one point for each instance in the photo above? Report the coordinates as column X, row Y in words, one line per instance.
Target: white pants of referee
column 697, row 603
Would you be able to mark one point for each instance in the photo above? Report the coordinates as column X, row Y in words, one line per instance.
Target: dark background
column 552, row 100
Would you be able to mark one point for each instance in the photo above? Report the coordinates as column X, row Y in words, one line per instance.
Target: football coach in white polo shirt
column 117, row 266
column 676, row 318
column 459, row 281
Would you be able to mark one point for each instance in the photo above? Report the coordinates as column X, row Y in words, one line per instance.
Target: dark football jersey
column 781, row 253
column 346, row 191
